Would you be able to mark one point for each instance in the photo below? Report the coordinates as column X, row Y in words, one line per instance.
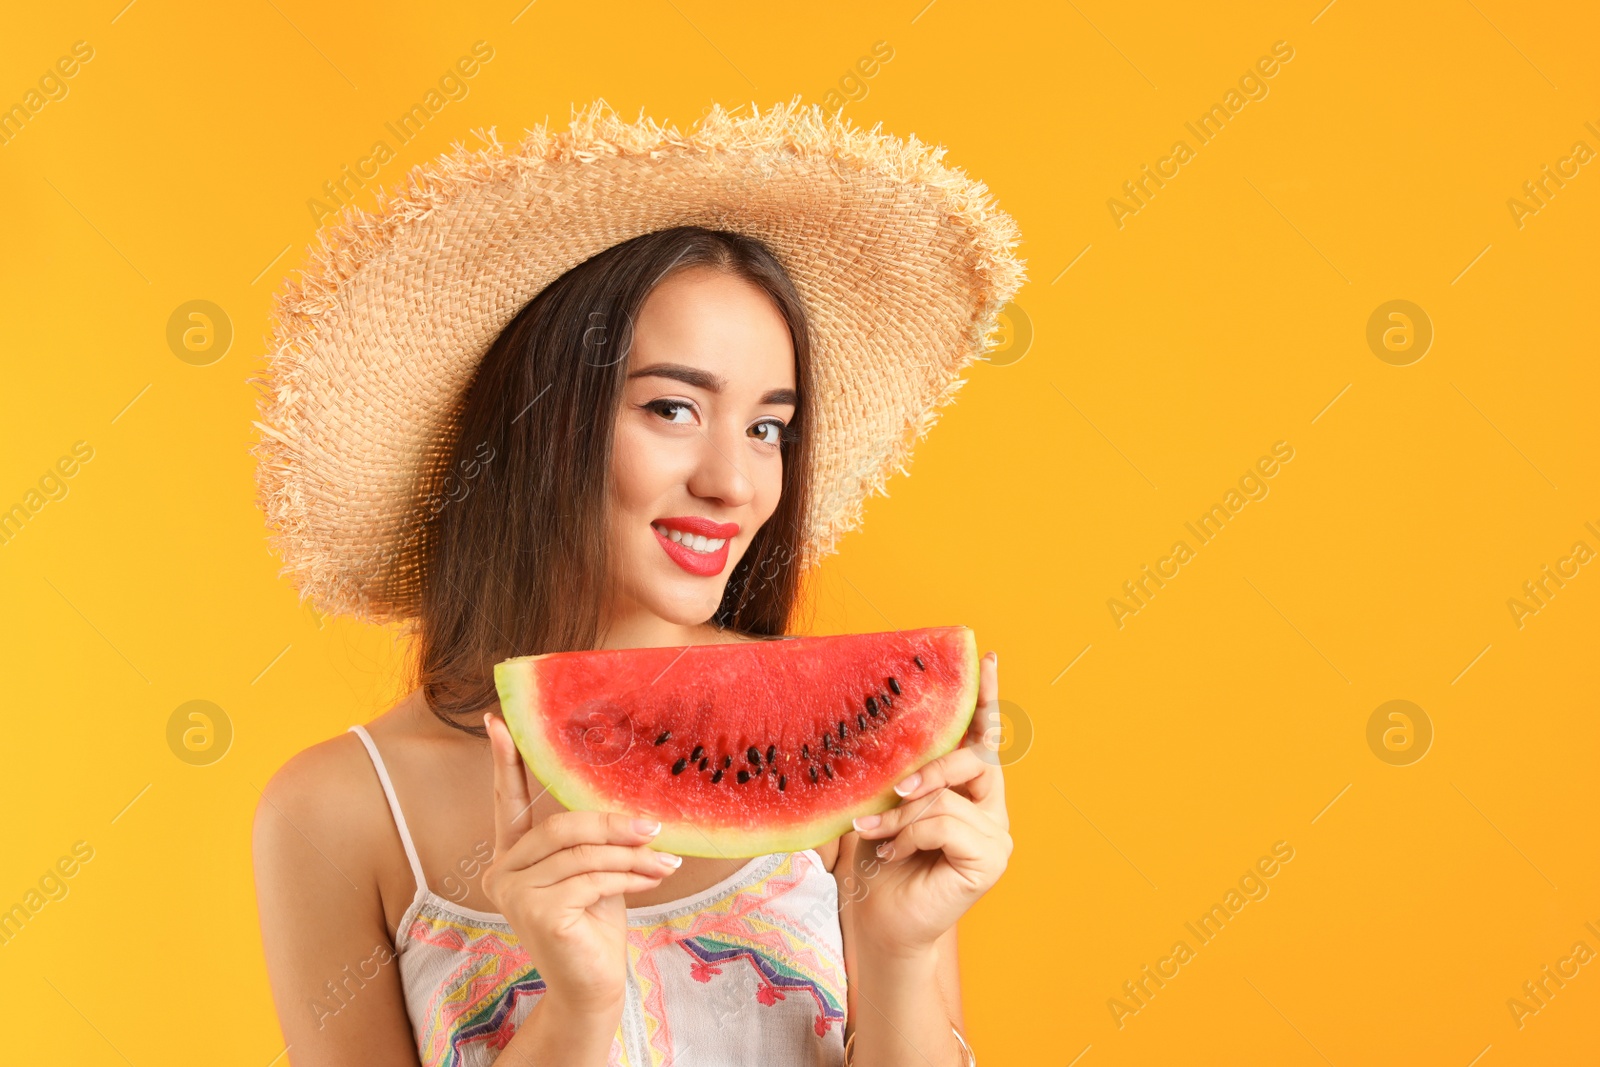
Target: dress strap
column 394, row 805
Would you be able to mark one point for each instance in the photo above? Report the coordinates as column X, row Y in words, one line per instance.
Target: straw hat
column 903, row 264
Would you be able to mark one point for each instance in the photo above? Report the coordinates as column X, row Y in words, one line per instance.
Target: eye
column 770, row 431
column 671, row 410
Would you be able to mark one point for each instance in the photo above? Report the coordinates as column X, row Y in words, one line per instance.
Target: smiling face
column 696, row 462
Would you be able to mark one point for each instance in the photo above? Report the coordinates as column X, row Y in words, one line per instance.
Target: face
column 696, row 462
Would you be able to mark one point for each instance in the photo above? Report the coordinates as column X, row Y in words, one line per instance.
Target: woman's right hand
column 560, row 883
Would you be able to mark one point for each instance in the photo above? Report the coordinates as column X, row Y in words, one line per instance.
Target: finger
column 988, row 697
column 584, row 890
column 566, row 829
column 954, row 768
column 960, row 842
column 965, row 767
column 513, row 810
column 570, row 862
column 944, row 802
column 986, row 729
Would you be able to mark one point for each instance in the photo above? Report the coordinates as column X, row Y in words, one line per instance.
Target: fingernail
column 646, row 827
column 905, row 787
column 885, row 850
column 670, row 860
column 866, row 822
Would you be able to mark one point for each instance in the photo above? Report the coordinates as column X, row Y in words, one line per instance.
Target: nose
column 719, row 474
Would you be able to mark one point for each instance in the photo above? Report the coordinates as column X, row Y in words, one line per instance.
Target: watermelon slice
column 748, row 748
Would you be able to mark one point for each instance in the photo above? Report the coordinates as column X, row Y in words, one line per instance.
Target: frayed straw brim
column 903, row 263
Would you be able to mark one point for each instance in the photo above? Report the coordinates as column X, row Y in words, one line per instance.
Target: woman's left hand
column 946, row 843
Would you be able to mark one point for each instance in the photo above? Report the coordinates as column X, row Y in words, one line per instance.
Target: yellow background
column 1224, row 316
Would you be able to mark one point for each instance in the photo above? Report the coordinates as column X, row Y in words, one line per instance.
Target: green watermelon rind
column 515, row 682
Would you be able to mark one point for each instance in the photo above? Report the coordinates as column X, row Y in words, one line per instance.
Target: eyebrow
column 711, row 383
column 694, row 376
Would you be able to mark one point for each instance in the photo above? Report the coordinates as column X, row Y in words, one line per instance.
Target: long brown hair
column 514, row 553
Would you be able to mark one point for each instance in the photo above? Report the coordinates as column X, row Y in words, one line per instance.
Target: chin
column 673, row 595
column 684, row 615
column 688, row 601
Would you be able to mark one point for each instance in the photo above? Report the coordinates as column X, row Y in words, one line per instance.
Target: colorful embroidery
column 487, row 984
column 743, row 926
column 476, row 1001
column 775, row 975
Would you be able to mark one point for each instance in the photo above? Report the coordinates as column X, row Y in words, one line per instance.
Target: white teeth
column 693, row 542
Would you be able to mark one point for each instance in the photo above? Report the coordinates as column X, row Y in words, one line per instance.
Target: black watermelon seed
column 702, row 764
column 861, row 722
column 699, row 750
column 813, row 774
column 883, row 698
column 894, row 687
column 717, row 777
column 744, row 776
column 752, row 755
column 827, row 770
column 783, row 782
column 918, row 661
column 677, row 768
column 841, row 729
column 872, row 707
column 772, row 753
column 727, row 761
column 805, row 751
column 666, row 735
column 827, row 742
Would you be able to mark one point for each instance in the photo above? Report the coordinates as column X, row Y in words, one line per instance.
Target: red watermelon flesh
column 819, row 729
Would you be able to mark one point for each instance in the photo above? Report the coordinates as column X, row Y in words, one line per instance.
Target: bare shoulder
column 331, row 763
column 332, row 785
column 325, row 787
column 323, row 817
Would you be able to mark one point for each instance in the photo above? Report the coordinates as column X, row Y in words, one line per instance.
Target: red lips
column 704, row 527
column 700, row 564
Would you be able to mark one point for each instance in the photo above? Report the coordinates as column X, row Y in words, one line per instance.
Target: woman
column 422, row 899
